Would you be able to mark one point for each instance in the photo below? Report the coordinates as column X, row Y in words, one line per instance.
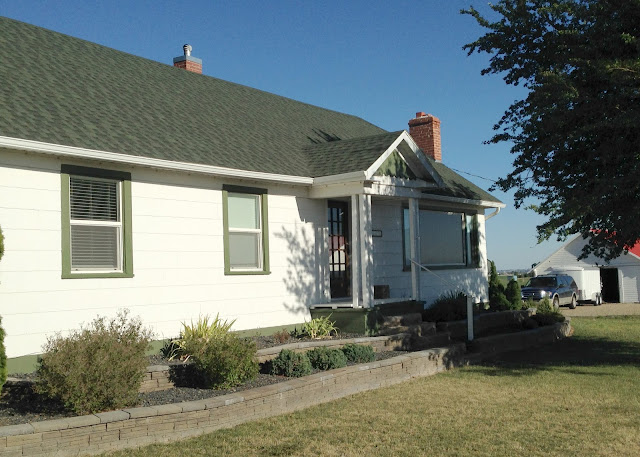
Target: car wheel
column 556, row 303
column 572, row 305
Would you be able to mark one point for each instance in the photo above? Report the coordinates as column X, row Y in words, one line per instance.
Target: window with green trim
column 245, row 230
column 96, row 223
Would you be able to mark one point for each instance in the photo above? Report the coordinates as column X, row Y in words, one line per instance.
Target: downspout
column 489, row 216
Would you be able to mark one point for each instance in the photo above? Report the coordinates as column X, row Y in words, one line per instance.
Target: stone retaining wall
column 134, row 427
column 486, row 322
column 97, row 433
column 158, row 377
column 521, row 340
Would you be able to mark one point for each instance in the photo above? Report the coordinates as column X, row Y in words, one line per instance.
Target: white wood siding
column 177, row 257
column 388, row 260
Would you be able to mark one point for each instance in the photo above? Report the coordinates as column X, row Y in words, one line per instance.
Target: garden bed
column 19, row 404
column 132, row 427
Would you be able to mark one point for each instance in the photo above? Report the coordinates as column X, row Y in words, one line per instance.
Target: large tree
column 576, row 136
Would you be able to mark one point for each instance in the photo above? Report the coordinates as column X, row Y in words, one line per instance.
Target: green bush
column 3, row 357
column 225, row 362
column 1, row 244
column 513, row 294
column 544, row 306
column 548, row 318
column 499, row 302
column 324, row 358
column 319, row 327
column 290, row 363
column 495, row 286
column 359, row 353
column 97, row 368
column 546, row 314
column 194, row 338
column 451, row 306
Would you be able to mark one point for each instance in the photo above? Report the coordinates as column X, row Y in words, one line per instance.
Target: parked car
column 560, row 289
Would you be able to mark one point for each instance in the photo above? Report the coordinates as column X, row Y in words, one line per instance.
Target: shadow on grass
column 576, row 352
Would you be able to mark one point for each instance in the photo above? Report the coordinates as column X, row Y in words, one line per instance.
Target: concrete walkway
column 606, row 309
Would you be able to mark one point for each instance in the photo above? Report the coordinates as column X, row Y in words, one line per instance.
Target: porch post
column 355, row 252
column 414, row 240
column 366, row 250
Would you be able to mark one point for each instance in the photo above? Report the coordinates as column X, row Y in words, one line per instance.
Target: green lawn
column 579, row 397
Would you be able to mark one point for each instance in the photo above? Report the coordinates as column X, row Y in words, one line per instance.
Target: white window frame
column 96, row 223
column 257, row 232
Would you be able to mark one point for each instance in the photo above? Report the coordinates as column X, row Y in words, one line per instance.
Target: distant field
column 504, row 279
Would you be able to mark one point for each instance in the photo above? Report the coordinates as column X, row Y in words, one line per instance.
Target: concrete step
column 401, row 320
column 420, row 343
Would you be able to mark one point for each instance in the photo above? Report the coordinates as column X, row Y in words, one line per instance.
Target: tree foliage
column 497, row 299
column 576, row 136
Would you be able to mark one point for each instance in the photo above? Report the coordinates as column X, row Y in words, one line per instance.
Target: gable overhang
column 415, row 158
column 147, row 162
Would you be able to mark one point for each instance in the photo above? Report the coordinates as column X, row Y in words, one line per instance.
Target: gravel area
column 20, row 405
column 606, row 309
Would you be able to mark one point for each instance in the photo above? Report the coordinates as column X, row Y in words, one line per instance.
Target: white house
column 620, row 277
column 128, row 183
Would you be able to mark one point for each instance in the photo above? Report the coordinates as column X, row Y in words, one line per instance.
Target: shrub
column 225, row 362
column 291, row 364
column 1, row 244
column 97, row 368
column 499, row 302
column 544, row 306
column 3, row 357
column 546, row 314
column 323, row 358
column 319, row 327
column 194, row 338
column 495, row 286
column 513, row 294
column 548, row 318
column 451, row 306
column 282, row 336
column 359, row 353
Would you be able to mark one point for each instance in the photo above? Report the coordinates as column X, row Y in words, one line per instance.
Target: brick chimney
column 188, row 62
column 425, row 131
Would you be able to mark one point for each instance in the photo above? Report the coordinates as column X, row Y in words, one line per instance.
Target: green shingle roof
column 63, row 90
column 354, row 154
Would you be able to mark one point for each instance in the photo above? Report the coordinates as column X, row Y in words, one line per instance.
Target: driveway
column 606, row 309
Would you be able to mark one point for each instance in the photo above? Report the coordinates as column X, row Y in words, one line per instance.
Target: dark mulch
column 20, row 405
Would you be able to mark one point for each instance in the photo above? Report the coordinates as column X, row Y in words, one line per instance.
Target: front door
column 339, row 265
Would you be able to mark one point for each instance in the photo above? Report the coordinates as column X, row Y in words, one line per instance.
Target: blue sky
column 380, row 60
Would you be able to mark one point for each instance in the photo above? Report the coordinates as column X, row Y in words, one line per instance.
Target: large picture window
column 96, row 226
column 245, row 230
column 447, row 239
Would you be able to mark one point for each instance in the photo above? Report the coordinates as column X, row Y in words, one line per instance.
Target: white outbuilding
column 620, row 277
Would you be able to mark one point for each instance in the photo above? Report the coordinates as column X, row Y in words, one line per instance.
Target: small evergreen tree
column 497, row 299
column 513, row 293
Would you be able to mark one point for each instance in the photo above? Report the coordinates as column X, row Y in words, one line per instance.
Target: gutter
column 113, row 157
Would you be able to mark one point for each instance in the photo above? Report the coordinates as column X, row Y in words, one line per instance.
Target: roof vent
column 187, row 49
